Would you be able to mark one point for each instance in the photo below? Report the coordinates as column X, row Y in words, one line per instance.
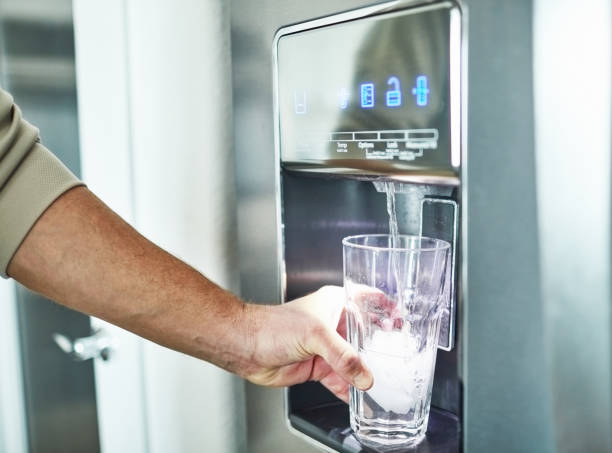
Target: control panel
column 384, row 88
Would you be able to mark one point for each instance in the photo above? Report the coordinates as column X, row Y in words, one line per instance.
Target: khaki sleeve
column 31, row 178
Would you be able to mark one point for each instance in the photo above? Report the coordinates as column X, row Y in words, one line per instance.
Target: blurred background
column 149, row 102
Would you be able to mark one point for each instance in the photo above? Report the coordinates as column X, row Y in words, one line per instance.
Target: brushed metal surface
column 507, row 405
column 574, row 169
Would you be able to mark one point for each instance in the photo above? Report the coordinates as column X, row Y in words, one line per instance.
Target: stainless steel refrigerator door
column 507, row 369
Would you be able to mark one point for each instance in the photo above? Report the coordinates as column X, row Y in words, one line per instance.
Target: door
column 48, row 400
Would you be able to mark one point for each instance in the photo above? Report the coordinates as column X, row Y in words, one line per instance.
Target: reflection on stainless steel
column 372, row 169
column 318, row 212
column 421, row 44
column 407, row 138
column 37, row 66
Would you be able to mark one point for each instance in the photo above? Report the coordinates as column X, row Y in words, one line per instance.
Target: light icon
column 343, row 98
column 421, row 91
column 367, row 95
column 299, row 102
column 394, row 95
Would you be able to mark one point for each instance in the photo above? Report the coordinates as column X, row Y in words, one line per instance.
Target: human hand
column 303, row 340
column 375, row 306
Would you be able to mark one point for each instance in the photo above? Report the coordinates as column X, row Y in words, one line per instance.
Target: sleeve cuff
column 38, row 181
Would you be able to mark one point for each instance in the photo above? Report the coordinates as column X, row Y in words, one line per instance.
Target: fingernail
column 363, row 380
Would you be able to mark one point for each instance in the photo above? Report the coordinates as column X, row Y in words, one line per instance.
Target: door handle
column 97, row 346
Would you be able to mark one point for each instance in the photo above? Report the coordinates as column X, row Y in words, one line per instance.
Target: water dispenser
column 382, row 105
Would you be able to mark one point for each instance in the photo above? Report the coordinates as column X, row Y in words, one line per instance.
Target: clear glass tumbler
column 394, row 299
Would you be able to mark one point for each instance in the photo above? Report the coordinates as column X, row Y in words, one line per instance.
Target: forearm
column 84, row 256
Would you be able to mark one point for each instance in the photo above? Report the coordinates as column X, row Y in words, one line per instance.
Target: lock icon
column 394, row 95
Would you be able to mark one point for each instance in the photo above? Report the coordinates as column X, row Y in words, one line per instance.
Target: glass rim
column 440, row 244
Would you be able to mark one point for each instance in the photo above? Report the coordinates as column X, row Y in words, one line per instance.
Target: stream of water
column 394, row 257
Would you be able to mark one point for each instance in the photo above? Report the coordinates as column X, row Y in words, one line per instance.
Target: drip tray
column 329, row 424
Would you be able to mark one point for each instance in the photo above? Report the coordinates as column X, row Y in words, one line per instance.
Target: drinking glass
column 394, row 300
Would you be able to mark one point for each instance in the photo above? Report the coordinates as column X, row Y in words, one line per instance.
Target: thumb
column 342, row 358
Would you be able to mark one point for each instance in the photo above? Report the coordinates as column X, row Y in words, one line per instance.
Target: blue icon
column 367, row 95
column 299, row 102
column 394, row 95
column 421, row 91
column 343, row 98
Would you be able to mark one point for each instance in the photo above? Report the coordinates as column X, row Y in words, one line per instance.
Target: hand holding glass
column 395, row 298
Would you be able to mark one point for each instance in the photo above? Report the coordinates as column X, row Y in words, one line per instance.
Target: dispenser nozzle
column 398, row 187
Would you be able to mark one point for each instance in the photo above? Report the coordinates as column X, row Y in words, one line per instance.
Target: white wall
column 180, row 89
column 106, row 164
column 155, row 113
